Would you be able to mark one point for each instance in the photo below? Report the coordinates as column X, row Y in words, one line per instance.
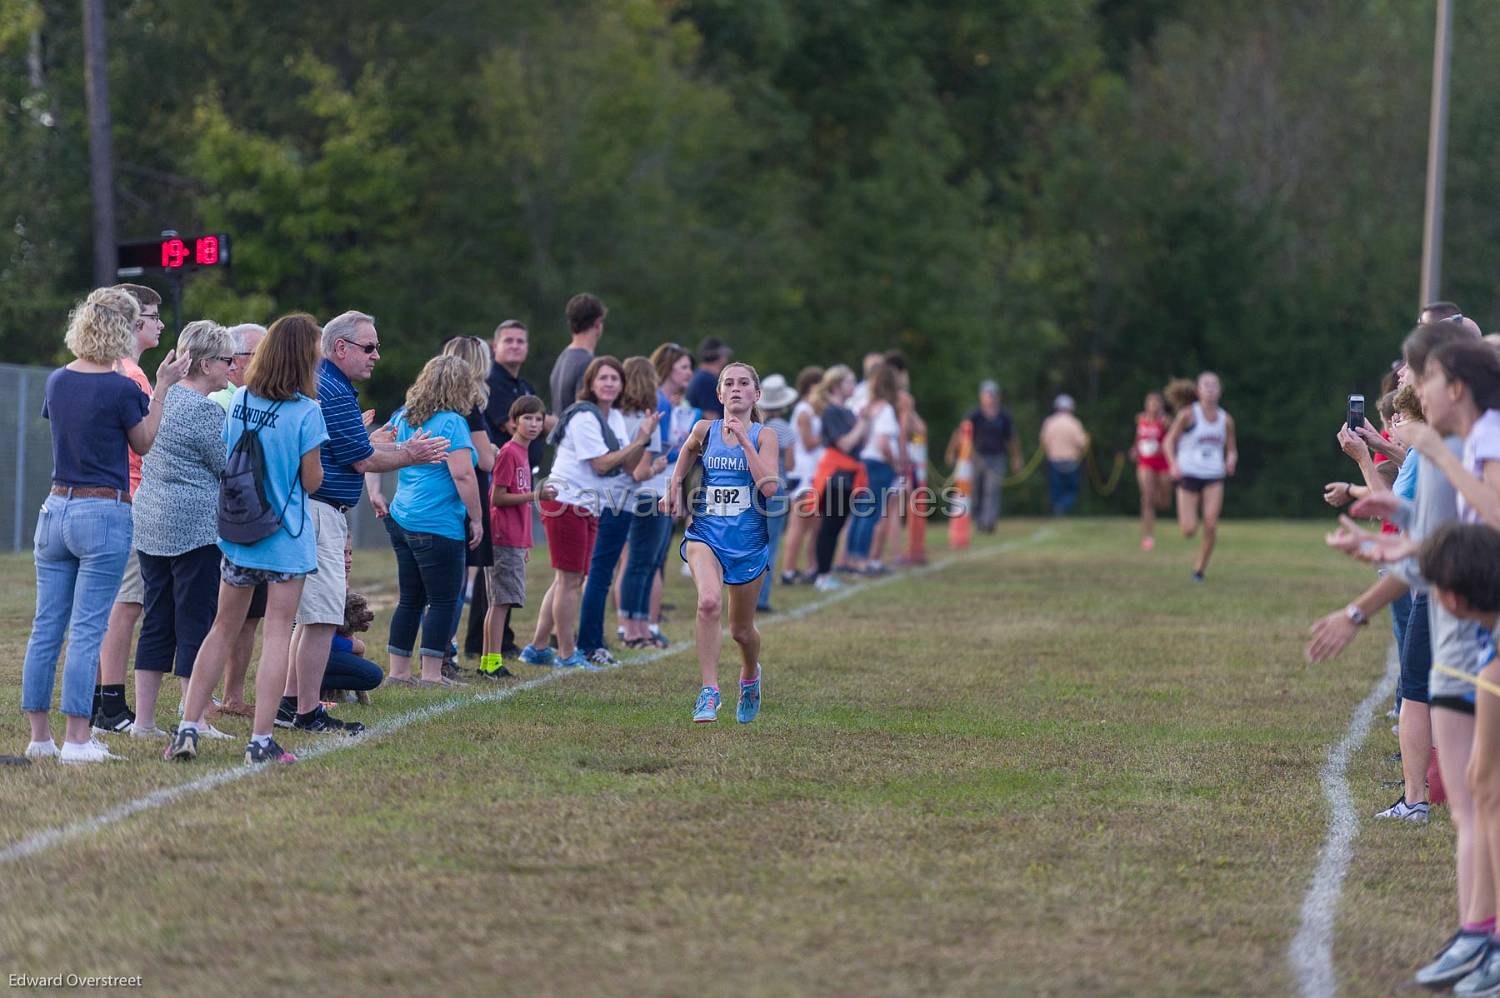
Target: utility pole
column 101, row 143
column 1437, row 156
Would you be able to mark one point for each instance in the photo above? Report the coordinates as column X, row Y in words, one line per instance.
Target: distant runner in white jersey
column 1201, row 453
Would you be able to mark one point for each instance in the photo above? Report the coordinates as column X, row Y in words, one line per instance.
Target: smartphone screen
column 1356, row 411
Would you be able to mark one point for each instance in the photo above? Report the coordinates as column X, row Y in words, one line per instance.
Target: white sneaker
column 206, row 730
column 139, row 730
column 90, row 751
column 827, row 584
column 41, row 750
column 1416, row 814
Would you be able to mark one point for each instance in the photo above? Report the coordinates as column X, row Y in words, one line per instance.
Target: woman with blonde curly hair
column 435, row 518
column 83, row 533
column 476, row 353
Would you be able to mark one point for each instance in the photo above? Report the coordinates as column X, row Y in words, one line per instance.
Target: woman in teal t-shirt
column 434, row 519
column 277, row 402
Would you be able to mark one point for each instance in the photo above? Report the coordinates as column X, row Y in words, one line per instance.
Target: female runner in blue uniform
column 726, row 543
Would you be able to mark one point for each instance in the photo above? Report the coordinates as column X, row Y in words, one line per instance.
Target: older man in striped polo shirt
column 351, row 346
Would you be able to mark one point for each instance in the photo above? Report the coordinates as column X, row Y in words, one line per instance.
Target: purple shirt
column 90, row 415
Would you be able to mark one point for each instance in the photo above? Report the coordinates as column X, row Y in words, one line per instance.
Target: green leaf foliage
column 1087, row 196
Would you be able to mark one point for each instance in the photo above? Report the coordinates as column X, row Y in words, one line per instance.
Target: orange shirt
column 133, row 371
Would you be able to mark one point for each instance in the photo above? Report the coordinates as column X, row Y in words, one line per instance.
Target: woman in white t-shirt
column 807, row 451
column 585, row 473
column 882, row 457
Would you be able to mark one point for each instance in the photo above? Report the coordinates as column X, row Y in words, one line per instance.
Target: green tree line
column 1086, row 196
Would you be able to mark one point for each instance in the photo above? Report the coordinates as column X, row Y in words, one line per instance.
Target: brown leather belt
column 90, row 492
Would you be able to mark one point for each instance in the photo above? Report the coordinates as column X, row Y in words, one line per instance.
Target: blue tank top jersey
column 729, row 514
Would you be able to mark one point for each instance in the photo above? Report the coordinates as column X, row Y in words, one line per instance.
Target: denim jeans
column 348, row 671
column 867, row 513
column 430, row 575
column 1400, row 611
column 650, row 537
column 81, row 546
column 614, row 530
column 1062, row 485
column 777, row 509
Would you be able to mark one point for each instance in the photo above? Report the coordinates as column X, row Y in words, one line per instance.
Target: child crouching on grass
column 348, row 669
column 511, row 501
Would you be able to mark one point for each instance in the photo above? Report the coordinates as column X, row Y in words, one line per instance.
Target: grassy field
column 1054, row 766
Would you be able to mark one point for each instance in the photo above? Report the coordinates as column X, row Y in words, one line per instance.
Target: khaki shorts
column 505, row 580
column 132, row 588
column 323, row 592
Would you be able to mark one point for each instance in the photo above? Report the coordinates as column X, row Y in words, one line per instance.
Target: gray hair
column 343, row 327
column 238, row 334
column 202, row 339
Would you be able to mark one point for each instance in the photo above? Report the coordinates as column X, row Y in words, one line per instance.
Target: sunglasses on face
column 368, row 348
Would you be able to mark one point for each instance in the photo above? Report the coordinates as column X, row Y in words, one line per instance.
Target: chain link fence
column 26, row 455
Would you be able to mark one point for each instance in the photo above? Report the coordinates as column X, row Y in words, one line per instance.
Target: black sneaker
column 104, row 723
column 323, row 723
column 510, row 652
column 256, row 754
column 286, row 712
column 184, row 745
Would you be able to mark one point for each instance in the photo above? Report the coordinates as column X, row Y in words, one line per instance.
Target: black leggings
column 836, row 497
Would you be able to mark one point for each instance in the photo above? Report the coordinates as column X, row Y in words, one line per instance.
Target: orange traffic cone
column 918, row 505
column 959, row 524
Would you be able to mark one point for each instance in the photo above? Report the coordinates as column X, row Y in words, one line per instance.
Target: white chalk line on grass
column 42, row 841
column 1311, row 952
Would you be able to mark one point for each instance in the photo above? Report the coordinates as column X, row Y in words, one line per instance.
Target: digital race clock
column 175, row 253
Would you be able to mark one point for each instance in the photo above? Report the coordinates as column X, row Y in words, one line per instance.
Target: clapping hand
column 172, row 369
column 1420, row 437
column 648, row 425
column 1378, row 549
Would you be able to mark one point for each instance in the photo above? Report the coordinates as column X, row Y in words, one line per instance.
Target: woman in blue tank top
column 727, row 543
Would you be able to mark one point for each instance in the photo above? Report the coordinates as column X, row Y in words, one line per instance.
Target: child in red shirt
column 511, row 500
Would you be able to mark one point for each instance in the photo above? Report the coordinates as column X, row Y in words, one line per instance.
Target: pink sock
column 1486, row 926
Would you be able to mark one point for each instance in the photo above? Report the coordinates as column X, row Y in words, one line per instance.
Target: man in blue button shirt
column 351, row 346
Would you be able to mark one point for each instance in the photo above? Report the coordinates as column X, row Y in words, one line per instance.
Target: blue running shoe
column 749, row 705
column 538, row 656
column 706, row 709
column 576, row 661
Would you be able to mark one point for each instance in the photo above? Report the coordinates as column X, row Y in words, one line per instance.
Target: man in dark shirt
column 506, row 385
column 586, row 322
column 703, row 391
column 994, row 436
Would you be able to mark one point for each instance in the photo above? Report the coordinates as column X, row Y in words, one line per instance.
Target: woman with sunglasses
column 176, row 523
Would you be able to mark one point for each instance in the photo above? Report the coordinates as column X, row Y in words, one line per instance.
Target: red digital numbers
column 174, row 253
column 206, row 251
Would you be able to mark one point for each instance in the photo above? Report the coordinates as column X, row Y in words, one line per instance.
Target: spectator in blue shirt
column 351, row 346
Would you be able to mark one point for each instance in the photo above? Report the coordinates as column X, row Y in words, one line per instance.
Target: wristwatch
column 1355, row 614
